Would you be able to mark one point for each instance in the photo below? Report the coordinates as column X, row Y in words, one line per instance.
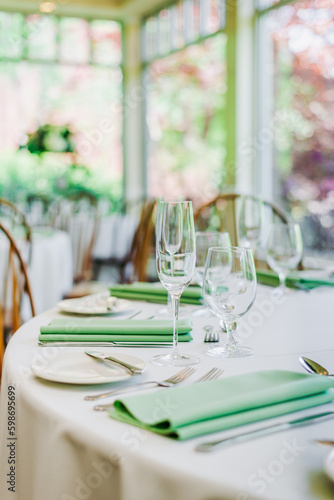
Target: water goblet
column 175, row 255
column 229, row 290
column 284, row 251
column 204, row 241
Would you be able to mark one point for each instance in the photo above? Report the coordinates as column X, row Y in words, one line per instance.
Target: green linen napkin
column 293, row 281
column 107, row 329
column 154, row 292
column 205, row 407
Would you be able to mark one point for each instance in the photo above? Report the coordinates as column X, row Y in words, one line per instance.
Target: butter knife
column 245, row 436
column 117, row 343
column 134, row 370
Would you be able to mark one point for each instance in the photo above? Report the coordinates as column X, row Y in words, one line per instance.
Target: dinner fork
column 213, row 374
column 210, row 335
column 174, row 379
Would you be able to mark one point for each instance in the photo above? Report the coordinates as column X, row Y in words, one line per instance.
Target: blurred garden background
column 62, row 82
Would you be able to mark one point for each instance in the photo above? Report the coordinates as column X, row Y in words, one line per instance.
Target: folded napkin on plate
column 154, row 292
column 294, row 280
column 205, row 407
column 107, row 329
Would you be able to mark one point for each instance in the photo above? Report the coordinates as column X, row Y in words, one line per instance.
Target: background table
column 65, row 450
column 50, row 270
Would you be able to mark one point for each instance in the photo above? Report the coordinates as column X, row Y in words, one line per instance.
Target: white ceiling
column 117, row 9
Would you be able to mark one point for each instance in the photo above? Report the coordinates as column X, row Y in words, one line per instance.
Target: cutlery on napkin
column 112, row 330
column 218, row 405
column 154, row 292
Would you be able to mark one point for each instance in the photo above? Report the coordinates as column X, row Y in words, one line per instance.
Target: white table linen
column 65, row 450
column 50, row 269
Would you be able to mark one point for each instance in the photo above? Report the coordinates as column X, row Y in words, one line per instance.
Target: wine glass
column 204, row 241
column 229, row 292
column 284, row 250
column 250, row 221
column 176, row 255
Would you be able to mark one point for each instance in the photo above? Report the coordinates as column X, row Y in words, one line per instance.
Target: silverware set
column 176, row 379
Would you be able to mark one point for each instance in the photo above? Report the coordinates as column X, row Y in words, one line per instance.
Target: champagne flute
column 250, row 222
column 284, row 250
column 176, row 255
column 229, row 292
column 204, row 241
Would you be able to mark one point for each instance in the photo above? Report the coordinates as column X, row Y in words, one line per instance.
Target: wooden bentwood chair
column 15, row 283
column 223, row 214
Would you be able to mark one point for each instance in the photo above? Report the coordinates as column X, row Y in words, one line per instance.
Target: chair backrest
column 15, row 221
column 14, row 283
column 142, row 243
column 223, row 214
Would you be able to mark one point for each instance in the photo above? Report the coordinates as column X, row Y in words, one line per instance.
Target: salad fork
column 174, row 379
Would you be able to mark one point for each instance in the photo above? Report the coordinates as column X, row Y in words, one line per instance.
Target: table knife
column 104, row 344
column 245, row 436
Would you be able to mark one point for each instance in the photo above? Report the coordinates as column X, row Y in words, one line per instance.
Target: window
column 185, row 81
column 62, row 72
column 300, row 75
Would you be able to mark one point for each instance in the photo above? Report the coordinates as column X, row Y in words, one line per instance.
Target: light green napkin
column 205, row 407
column 154, row 292
column 293, row 281
column 107, row 329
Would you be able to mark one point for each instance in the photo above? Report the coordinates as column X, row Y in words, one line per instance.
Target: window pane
column 74, row 43
column 185, row 118
column 11, row 41
column 41, row 33
column 106, row 42
column 302, row 36
column 164, row 31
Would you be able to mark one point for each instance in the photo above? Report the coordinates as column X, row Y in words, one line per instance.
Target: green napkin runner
column 155, row 292
column 107, row 329
column 293, row 281
column 205, row 407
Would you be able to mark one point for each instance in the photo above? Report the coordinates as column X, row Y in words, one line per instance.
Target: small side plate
column 98, row 303
column 78, row 368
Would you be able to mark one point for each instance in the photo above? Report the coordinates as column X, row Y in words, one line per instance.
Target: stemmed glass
column 229, row 292
column 284, row 250
column 250, row 221
column 204, row 241
column 176, row 255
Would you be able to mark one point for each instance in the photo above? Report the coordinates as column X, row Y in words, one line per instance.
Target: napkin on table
column 107, row 329
column 271, row 279
column 205, row 407
column 155, row 292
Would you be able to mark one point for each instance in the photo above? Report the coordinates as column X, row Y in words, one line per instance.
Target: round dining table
column 54, row 446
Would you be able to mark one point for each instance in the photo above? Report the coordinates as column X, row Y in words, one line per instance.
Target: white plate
column 329, row 465
column 98, row 303
column 79, row 368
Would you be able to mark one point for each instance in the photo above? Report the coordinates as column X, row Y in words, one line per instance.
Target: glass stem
column 282, row 280
column 230, row 342
column 175, row 307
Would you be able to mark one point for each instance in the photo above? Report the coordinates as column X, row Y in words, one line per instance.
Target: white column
column 133, row 139
column 245, row 145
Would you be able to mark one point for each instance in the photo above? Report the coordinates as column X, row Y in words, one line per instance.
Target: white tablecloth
column 50, row 270
column 64, row 450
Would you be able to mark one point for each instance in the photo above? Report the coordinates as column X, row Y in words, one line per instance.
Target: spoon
column 313, row 367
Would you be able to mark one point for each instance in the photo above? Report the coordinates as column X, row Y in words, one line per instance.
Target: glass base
column 178, row 359
column 222, row 351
